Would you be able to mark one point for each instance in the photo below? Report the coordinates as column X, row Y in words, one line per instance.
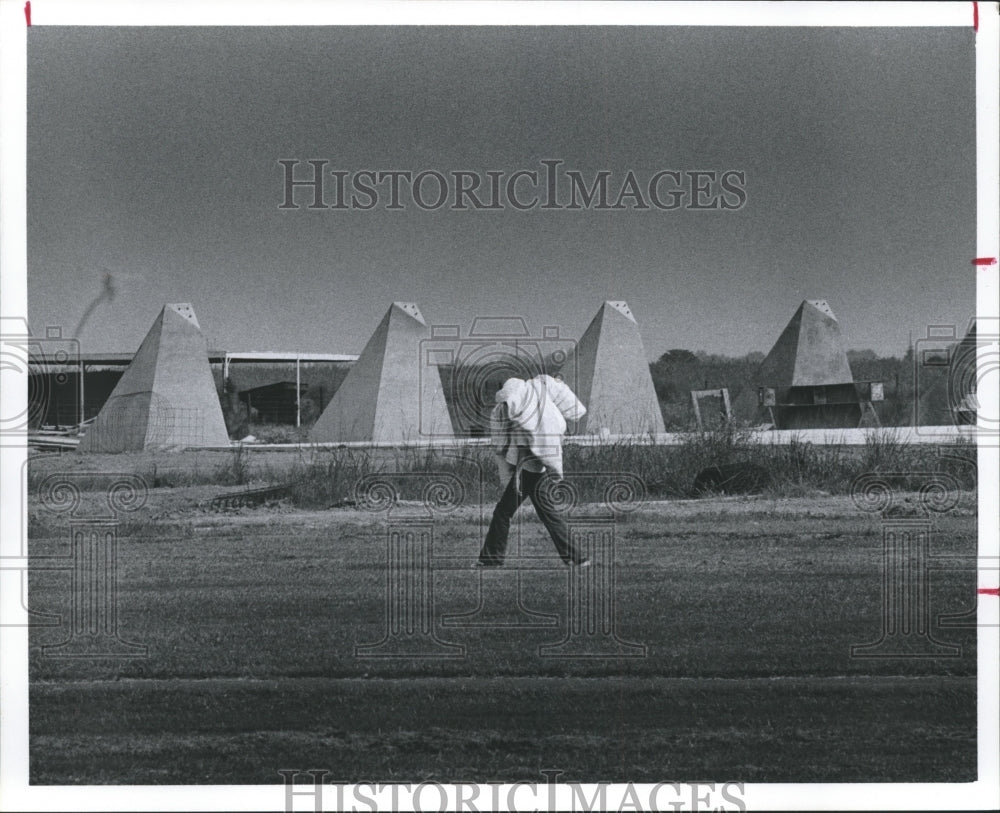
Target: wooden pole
column 82, row 392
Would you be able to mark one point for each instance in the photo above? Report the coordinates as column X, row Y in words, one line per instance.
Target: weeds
column 318, row 477
column 883, row 451
column 236, row 470
column 794, row 469
column 327, row 476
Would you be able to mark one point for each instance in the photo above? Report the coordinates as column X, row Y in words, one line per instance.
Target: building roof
column 214, row 357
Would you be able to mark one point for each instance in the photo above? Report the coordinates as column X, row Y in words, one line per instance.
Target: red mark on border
column 989, row 591
column 27, row 13
column 985, row 261
column 975, row 16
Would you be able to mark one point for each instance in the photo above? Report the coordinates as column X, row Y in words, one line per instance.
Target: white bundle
column 537, row 411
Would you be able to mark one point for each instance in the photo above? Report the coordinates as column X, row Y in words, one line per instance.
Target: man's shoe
column 581, row 563
column 480, row 563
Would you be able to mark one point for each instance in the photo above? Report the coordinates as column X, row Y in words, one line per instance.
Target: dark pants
column 495, row 545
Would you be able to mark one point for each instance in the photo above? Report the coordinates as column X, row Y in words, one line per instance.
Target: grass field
column 747, row 608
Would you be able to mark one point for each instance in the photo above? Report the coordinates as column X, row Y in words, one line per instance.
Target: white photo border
column 15, row 791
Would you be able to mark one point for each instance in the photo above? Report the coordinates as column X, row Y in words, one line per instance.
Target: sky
column 153, row 156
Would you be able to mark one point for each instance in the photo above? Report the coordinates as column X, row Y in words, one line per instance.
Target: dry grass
column 318, row 477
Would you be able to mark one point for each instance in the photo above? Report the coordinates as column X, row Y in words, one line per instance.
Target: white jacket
column 532, row 415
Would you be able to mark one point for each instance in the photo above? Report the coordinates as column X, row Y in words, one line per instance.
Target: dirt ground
column 714, row 644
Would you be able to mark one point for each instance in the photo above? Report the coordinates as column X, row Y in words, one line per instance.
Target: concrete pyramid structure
column 809, row 352
column 166, row 397
column 609, row 372
column 805, row 382
column 388, row 396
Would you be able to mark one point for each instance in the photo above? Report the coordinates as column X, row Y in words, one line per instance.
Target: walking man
column 528, row 424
